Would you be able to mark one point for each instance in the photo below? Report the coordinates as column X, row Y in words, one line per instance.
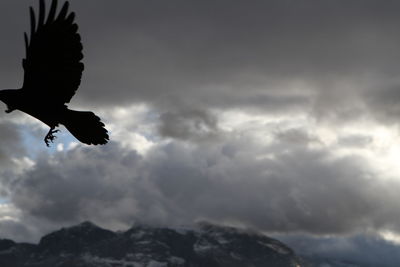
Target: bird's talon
column 50, row 137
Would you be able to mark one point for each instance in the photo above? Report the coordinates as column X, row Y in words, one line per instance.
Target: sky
column 276, row 115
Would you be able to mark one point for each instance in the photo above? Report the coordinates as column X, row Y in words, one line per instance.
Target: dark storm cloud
column 280, row 56
column 272, row 188
column 237, row 53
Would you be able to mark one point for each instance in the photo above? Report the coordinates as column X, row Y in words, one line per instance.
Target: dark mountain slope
column 87, row 245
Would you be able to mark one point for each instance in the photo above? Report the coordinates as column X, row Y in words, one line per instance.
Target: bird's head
column 5, row 95
column 8, row 96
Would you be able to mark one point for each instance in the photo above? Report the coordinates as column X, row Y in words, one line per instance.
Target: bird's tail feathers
column 86, row 127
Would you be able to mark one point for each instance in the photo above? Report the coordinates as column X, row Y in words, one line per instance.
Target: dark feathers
column 53, row 66
column 53, row 71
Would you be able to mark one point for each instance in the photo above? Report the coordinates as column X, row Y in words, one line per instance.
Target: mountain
column 87, row 245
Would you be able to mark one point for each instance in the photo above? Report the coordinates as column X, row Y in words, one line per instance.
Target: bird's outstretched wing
column 53, row 66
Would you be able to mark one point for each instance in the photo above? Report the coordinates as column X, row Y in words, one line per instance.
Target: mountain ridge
column 208, row 245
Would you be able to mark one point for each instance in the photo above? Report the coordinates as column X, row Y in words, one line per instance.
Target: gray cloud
column 295, row 136
column 355, row 140
column 9, row 142
column 15, row 230
column 297, row 189
column 187, row 124
column 362, row 250
column 11, row 152
column 65, row 192
column 384, row 102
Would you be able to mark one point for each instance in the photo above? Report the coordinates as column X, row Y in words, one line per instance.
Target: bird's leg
column 9, row 109
column 50, row 137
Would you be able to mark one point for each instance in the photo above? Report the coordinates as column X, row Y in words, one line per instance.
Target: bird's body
column 53, row 71
column 42, row 109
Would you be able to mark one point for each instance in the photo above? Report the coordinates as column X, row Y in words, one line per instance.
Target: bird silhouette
column 52, row 74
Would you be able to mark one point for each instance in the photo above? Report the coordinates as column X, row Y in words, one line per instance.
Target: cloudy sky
column 278, row 115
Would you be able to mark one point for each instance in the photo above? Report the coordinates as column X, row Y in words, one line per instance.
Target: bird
column 52, row 74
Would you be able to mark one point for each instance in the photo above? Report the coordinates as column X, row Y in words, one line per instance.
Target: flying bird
column 52, row 74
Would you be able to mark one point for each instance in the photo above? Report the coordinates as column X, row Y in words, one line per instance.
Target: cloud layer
column 285, row 186
column 277, row 115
